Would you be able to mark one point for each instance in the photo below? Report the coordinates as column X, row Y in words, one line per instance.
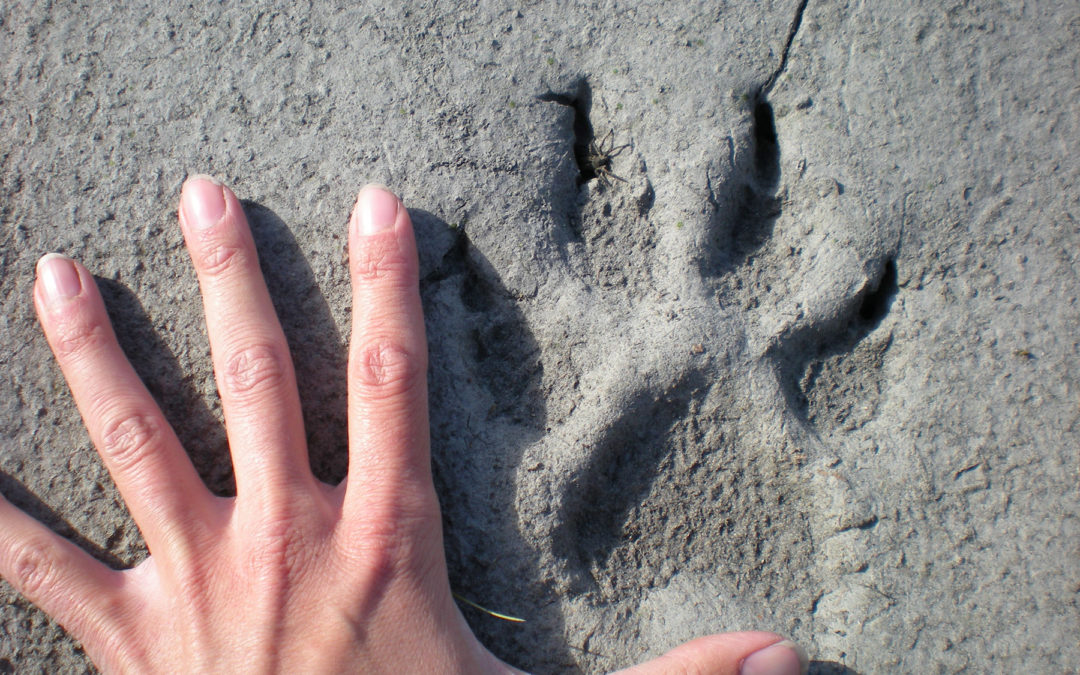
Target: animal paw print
column 630, row 398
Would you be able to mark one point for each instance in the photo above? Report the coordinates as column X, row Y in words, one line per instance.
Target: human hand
column 292, row 575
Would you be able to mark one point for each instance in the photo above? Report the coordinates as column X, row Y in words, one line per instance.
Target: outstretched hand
column 293, row 575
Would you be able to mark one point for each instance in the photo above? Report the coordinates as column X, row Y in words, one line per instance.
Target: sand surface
column 809, row 366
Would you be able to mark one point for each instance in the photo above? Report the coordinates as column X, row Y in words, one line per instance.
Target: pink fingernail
column 376, row 210
column 203, row 201
column 782, row 658
column 59, row 276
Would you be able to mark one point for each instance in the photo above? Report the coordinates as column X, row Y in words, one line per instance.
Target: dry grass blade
column 485, row 610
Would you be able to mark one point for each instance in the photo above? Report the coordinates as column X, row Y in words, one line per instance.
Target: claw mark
column 593, row 158
column 877, row 301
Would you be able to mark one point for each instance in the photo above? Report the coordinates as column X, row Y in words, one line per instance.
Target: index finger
column 388, row 414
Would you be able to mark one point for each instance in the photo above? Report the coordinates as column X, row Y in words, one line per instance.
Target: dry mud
column 807, row 362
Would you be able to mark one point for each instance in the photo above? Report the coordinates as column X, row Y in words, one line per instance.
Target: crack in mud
column 792, row 32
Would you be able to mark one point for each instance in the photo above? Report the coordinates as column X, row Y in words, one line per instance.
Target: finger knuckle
column 378, row 259
column 385, row 369
column 281, row 551
column 76, row 335
column 254, row 368
column 395, row 539
column 35, row 567
column 374, row 562
column 129, row 439
column 217, row 257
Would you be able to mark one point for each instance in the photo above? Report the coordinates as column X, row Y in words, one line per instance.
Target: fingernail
column 376, row 209
column 203, row 201
column 781, row 658
column 59, row 277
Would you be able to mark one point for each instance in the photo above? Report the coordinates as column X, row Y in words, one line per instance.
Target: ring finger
column 140, row 450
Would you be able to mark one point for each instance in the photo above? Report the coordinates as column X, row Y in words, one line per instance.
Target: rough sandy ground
column 812, row 367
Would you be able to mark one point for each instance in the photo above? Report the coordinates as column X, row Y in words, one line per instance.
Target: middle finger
column 252, row 364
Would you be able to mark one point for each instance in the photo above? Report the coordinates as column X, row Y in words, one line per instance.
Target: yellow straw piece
column 485, row 610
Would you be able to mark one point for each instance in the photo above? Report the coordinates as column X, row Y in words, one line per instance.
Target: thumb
column 749, row 653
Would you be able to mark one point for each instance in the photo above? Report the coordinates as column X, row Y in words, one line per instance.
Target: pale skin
column 292, row 575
